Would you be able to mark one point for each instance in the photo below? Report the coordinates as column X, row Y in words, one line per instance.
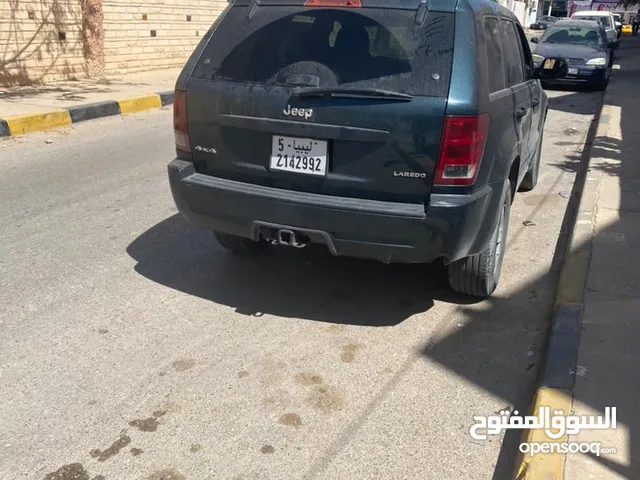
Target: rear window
column 604, row 21
column 512, row 55
column 360, row 48
column 495, row 60
column 587, row 36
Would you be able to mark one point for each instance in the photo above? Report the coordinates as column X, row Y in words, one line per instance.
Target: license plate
column 573, row 71
column 549, row 63
column 307, row 156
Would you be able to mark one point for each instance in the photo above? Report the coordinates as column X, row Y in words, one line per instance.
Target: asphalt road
column 133, row 347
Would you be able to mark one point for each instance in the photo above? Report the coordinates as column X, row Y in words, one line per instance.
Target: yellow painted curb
column 573, row 276
column 544, row 466
column 21, row 124
column 138, row 104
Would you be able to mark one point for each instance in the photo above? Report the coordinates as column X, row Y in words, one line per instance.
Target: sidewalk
column 609, row 357
column 40, row 105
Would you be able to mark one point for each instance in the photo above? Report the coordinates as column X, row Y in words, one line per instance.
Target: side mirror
column 535, row 40
column 551, row 68
column 618, row 25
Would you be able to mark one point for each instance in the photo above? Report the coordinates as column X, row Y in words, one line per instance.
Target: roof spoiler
column 401, row 4
column 422, row 7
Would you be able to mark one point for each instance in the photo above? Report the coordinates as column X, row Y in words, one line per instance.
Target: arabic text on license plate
column 573, row 71
column 299, row 155
column 549, row 63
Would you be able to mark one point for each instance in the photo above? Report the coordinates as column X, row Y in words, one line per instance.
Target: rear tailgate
column 246, row 122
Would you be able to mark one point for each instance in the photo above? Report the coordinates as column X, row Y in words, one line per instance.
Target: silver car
column 606, row 19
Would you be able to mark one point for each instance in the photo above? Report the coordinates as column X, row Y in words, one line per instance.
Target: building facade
column 628, row 13
column 48, row 40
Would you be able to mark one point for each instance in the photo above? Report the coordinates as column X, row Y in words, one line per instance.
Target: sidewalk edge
column 61, row 117
column 555, row 387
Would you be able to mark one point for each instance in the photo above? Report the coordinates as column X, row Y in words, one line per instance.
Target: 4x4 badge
column 305, row 113
column 206, row 150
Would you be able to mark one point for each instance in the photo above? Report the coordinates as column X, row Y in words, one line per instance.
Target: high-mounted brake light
column 461, row 149
column 333, row 3
column 180, row 121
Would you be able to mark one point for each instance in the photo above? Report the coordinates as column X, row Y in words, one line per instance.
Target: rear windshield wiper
column 350, row 93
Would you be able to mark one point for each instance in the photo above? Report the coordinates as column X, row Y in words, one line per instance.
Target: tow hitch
column 290, row 238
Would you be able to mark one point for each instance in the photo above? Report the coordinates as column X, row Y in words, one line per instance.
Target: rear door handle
column 521, row 112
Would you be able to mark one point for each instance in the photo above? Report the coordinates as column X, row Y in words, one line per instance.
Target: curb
column 555, row 388
column 23, row 124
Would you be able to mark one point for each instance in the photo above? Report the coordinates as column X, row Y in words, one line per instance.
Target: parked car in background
column 584, row 46
column 606, row 19
column 543, row 22
column 392, row 131
column 627, row 29
column 617, row 18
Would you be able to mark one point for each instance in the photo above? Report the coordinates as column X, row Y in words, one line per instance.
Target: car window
column 604, row 21
column 495, row 61
column 588, row 36
column 359, row 48
column 525, row 52
column 512, row 54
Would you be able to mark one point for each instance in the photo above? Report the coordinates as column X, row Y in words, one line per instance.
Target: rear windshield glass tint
column 604, row 21
column 587, row 36
column 360, row 48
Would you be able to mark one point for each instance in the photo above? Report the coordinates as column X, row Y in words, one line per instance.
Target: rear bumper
column 453, row 226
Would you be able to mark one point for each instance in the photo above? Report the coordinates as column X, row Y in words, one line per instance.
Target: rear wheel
column 240, row 245
column 478, row 275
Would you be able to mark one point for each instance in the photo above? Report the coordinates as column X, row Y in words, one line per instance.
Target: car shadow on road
column 310, row 284
column 502, row 348
column 492, row 349
column 580, row 103
column 472, row 352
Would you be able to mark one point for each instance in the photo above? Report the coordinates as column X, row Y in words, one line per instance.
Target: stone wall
column 47, row 40
column 40, row 41
column 146, row 35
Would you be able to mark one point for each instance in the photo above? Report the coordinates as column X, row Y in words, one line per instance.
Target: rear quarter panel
column 469, row 93
column 467, row 81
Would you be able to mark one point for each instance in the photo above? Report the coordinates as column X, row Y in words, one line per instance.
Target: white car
column 606, row 19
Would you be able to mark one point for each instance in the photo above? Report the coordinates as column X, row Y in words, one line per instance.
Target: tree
column 628, row 3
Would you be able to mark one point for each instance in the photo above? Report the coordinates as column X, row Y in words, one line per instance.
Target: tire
column 530, row 179
column 240, row 245
column 478, row 275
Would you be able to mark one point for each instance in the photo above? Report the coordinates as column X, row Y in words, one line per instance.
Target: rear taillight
column 180, row 121
column 461, row 149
